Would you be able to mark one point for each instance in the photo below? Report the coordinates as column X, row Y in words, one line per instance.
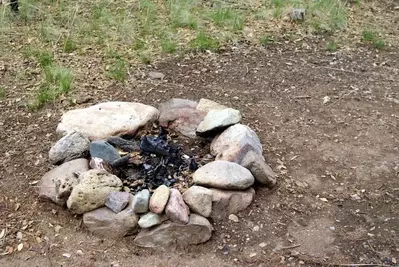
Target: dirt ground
column 329, row 124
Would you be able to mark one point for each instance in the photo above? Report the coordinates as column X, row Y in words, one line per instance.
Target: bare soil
column 329, row 124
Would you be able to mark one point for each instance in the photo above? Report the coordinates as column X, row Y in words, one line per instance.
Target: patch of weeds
column 372, row 37
column 44, row 58
column 58, row 81
column 144, row 57
column 332, row 46
column 117, row 70
column 69, row 45
column 138, row 44
column 203, row 42
column 168, row 46
column 329, row 15
column 266, row 40
column 2, row 92
column 181, row 14
column 228, row 18
column 278, row 8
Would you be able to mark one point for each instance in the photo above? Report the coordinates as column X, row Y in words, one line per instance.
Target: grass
column 372, row 37
column 2, row 92
column 332, row 46
column 144, row 30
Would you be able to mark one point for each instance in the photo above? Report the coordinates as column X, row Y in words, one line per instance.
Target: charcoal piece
column 156, row 145
column 125, row 145
column 193, row 166
column 120, row 162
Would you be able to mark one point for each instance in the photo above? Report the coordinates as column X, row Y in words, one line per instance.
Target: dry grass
column 141, row 31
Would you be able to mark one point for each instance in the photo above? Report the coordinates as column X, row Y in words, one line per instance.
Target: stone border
column 222, row 187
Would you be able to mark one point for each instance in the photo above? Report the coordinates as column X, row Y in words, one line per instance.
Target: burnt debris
column 151, row 160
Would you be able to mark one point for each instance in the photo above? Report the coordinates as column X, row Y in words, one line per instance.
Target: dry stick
column 302, row 97
column 289, row 247
column 329, row 68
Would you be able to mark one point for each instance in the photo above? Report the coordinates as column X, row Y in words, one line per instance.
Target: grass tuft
column 117, row 70
column 2, row 92
column 332, row 46
column 203, row 42
column 371, row 36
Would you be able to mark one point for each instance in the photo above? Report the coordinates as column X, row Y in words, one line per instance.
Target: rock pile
column 96, row 139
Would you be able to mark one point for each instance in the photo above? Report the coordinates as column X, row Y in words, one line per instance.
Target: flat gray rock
column 117, row 201
column 104, row 222
column 226, row 202
column 197, row 230
column 176, row 209
column 108, row 119
column 72, row 146
column 159, row 199
column 103, row 150
column 207, row 105
column 140, row 201
column 151, row 219
column 92, row 190
column 57, row 184
column 199, row 199
column 235, row 142
column 223, row 175
column 217, row 120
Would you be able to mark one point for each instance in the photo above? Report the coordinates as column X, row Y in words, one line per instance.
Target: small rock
column 298, row 14
column 151, row 219
column 197, row 230
column 225, row 202
column 233, row 218
column 72, row 146
column 223, row 175
column 159, row 199
column 108, row 119
column 252, row 255
column 57, row 228
column 259, row 169
column 104, row 222
column 263, row 244
column 217, row 120
column 256, row 228
column 154, row 75
column 207, row 105
column 57, row 184
column 140, row 201
column 355, row 197
column 176, row 209
column 103, row 150
column 117, row 201
column 199, row 199
column 92, row 191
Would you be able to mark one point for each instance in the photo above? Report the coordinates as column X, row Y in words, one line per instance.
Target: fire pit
column 129, row 167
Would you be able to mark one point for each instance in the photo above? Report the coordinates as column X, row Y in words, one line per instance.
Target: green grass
column 69, row 45
column 266, row 40
column 169, row 46
column 2, row 92
column 203, row 42
column 117, row 70
column 332, row 46
column 227, row 18
column 372, row 37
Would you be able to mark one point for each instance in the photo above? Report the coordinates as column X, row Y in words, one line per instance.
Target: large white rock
column 199, row 199
column 92, row 190
column 197, row 230
column 57, row 184
column 218, row 119
column 223, row 175
column 108, row 119
column 207, row 105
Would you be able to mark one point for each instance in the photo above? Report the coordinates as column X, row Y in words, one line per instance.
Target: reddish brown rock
column 176, row 209
column 197, row 230
column 226, row 202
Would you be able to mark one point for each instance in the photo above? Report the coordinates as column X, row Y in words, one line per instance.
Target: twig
column 329, row 68
column 302, row 97
column 362, row 264
column 289, row 247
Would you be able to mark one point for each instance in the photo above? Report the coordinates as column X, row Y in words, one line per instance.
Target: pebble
column 140, row 201
column 233, row 218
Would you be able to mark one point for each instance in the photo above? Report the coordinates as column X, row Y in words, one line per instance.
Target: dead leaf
column 57, row 228
column 2, row 233
column 67, row 255
column 17, row 206
column 33, row 182
column 20, row 246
